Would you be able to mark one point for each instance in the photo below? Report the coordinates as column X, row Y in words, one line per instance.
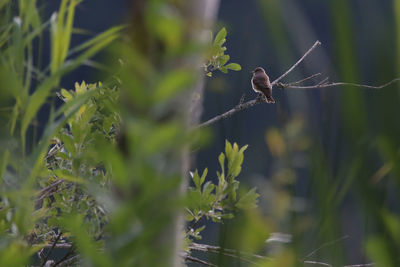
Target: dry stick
column 325, row 85
column 315, row 45
column 318, row 263
column 301, row 81
column 51, row 250
column 193, row 259
column 69, row 261
column 70, row 251
column 325, row 245
column 62, row 245
column 45, row 192
column 322, row 84
column 360, row 265
column 227, row 252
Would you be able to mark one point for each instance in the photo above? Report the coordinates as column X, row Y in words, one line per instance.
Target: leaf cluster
column 217, row 59
column 219, row 201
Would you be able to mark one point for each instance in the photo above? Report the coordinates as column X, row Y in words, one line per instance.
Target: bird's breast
column 253, row 86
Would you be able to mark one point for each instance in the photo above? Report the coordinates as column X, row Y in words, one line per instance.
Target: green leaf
column 233, row 66
column 65, row 175
column 243, row 148
column 223, row 69
column 221, row 160
column 223, row 59
column 249, row 200
column 228, row 149
column 203, row 176
column 207, row 189
column 196, row 179
column 99, row 38
column 220, row 37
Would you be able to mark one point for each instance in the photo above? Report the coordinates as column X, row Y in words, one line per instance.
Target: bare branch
column 45, row 192
column 323, row 84
column 316, row 44
column 247, row 257
column 65, row 258
column 70, row 261
column 59, row 245
column 51, row 249
column 303, row 80
column 325, row 245
column 229, row 113
column 193, row 259
column 318, row 263
column 361, row 265
column 324, row 81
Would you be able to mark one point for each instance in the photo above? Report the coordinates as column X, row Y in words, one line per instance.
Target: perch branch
column 294, row 85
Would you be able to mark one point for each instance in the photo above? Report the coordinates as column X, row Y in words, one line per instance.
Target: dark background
column 347, row 133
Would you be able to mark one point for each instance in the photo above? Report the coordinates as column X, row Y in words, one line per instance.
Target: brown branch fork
column 324, row 83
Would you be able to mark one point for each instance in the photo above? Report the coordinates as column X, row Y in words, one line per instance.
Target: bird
column 261, row 84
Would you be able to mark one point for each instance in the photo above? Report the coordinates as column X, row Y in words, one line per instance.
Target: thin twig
column 325, row 85
column 325, row 245
column 62, row 245
column 361, row 265
column 51, row 249
column 318, row 263
column 193, row 259
column 232, row 111
column 70, row 251
column 69, row 261
column 315, row 45
column 305, row 79
column 54, row 150
column 45, row 192
column 46, row 189
column 248, row 257
column 324, row 81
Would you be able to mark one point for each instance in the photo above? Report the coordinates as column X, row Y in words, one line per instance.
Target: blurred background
column 324, row 160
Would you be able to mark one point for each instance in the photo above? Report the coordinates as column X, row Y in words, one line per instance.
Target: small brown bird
column 261, row 84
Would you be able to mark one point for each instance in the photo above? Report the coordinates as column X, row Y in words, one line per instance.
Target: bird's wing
column 261, row 81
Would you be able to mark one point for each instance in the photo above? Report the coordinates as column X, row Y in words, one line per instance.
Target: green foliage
column 32, row 203
column 218, row 201
column 217, row 59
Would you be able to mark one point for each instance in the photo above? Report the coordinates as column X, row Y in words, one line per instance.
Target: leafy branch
column 218, row 60
column 218, row 201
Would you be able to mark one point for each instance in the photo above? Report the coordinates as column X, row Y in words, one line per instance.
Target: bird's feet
column 260, row 97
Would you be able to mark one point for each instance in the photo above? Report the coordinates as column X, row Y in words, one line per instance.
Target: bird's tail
column 268, row 96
